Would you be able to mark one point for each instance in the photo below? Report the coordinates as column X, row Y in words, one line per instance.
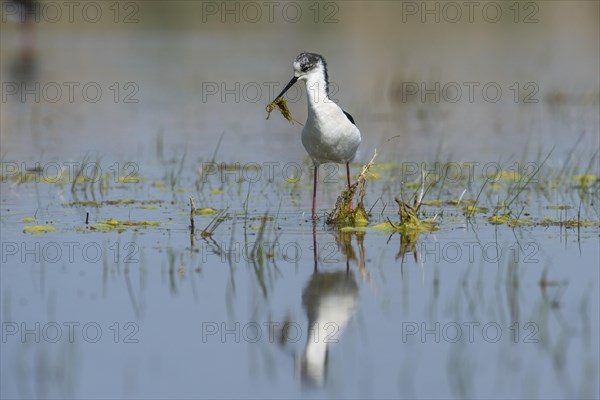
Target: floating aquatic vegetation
column 28, row 220
column 119, row 202
column 112, row 224
column 560, row 207
column 205, row 211
column 456, row 202
column 38, row 229
column 569, row 223
column 469, row 210
column 506, row 219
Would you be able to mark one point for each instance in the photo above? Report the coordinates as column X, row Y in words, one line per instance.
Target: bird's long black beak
column 287, row 87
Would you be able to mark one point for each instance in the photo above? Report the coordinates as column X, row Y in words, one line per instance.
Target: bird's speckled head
column 307, row 64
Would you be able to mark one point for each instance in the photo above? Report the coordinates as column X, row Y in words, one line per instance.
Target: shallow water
column 271, row 305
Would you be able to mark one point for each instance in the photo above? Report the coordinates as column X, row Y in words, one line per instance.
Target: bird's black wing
column 349, row 117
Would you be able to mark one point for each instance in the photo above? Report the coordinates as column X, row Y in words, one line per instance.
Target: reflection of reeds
column 503, row 209
column 257, row 259
column 192, row 212
column 174, row 175
column 202, row 180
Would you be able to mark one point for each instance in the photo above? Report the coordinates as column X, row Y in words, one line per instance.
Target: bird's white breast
column 328, row 135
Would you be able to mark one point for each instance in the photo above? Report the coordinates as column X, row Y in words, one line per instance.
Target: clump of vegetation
column 280, row 105
column 410, row 223
column 344, row 214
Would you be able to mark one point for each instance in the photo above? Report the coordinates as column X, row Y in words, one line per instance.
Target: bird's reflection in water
column 330, row 300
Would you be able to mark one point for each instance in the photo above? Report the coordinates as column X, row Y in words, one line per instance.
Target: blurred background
column 113, row 76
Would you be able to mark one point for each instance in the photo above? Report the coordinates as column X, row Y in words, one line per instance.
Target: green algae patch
column 507, row 176
column 216, row 192
column 569, row 223
column 264, row 218
column 38, row 229
column 385, row 166
column 149, row 207
column 129, row 179
column 356, row 229
column 499, row 219
column 115, row 225
column 559, row 207
column 120, row 202
column 205, row 211
column 435, row 203
column 469, row 210
column 425, row 225
column 546, row 221
column 28, row 220
column 506, row 219
column 456, row 202
column 84, row 204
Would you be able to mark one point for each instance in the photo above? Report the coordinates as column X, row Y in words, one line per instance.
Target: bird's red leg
column 314, row 207
column 348, row 176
